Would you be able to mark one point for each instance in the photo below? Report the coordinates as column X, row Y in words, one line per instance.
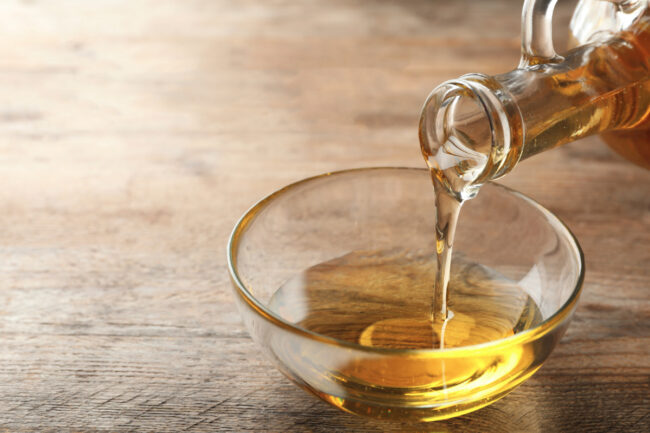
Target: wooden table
column 134, row 134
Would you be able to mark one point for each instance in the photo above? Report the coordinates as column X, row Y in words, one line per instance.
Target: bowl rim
column 530, row 334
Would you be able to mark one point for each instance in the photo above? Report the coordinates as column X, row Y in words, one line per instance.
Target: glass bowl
column 323, row 267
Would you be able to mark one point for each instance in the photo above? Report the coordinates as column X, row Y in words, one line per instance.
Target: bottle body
column 633, row 143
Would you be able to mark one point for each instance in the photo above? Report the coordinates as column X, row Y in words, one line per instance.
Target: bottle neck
column 471, row 131
column 477, row 127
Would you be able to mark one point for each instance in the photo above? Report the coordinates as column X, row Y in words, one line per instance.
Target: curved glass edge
column 530, row 334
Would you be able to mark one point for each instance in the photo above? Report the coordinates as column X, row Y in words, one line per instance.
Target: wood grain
column 133, row 135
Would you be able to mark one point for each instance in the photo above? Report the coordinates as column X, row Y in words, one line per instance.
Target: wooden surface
column 133, row 134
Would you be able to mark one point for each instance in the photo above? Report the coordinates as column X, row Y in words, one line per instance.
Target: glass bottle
column 478, row 127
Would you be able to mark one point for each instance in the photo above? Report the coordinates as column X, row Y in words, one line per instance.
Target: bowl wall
column 323, row 218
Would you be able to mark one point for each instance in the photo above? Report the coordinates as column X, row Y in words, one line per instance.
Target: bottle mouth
column 470, row 132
